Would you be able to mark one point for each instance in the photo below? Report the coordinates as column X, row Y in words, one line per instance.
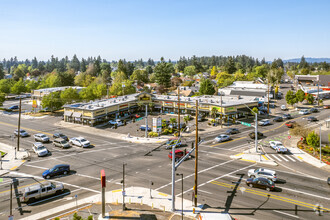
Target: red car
column 178, row 154
column 290, row 124
column 137, row 116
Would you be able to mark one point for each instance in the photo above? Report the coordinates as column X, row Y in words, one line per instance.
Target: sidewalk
column 252, row 156
column 8, row 161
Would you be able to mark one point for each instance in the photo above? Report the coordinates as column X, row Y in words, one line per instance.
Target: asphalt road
column 221, row 180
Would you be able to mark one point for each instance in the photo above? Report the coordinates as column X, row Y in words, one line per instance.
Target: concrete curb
column 8, row 161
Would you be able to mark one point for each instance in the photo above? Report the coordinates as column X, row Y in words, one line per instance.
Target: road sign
column 246, row 124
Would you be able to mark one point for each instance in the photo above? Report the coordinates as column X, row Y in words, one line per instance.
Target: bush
column 153, row 134
column 90, row 217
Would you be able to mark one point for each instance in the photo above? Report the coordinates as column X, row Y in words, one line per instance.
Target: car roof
column 38, row 144
column 62, row 165
column 59, row 139
column 276, row 142
column 267, row 170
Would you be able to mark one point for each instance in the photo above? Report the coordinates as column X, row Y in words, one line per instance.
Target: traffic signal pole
column 19, row 122
column 196, row 156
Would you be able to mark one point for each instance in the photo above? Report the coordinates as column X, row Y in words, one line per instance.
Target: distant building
column 322, row 80
column 247, row 88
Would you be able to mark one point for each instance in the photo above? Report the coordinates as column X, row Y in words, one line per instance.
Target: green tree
column 2, row 73
column 230, row 66
column 19, row 87
column 239, row 76
column 222, row 77
column 206, row 87
column 141, row 76
column 190, row 71
column 163, row 72
column 214, row 72
column 313, row 140
column 214, row 112
column 310, row 98
column 87, row 93
column 261, row 71
column 52, row 101
column 5, row 85
column 18, row 73
column 118, row 88
column 255, row 110
column 303, row 64
column 75, row 64
column 106, row 72
column 70, row 95
column 2, row 98
column 290, row 97
column 300, row 95
column 186, row 119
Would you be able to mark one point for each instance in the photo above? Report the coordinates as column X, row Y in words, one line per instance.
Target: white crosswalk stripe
column 290, row 158
column 276, row 158
column 287, row 158
column 283, row 158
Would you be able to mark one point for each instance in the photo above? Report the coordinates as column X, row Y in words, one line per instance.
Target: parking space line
column 283, row 158
column 286, row 214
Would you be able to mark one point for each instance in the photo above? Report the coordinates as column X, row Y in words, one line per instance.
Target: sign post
column 103, row 192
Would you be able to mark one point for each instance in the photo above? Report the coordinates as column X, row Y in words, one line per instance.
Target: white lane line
column 208, row 152
column 283, row 158
column 241, row 146
column 290, row 158
column 194, row 174
column 204, row 191
column 43, row 168
column 300, row 174
column 218, row 178
column 297, row 158
column 40, row 178
column 276, row 157
column 286, row 214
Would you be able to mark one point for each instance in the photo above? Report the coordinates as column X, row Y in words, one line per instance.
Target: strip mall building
column 98, row 112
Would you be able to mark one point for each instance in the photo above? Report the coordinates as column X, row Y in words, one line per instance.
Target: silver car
column 261, row 172
column 22, row 133
column 41, row 138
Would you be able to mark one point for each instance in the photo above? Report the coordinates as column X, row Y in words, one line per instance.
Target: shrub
column 166, row 131
column 153, row 134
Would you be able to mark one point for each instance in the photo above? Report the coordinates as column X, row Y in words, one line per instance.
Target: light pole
column 181, row 174
column 320, row 143
column 256, row 128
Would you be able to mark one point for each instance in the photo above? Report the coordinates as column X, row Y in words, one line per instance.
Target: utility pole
column 268, row 97
column 320, row 143
column 196, row 155
column 256, row 132
column 124, row 207
column 11, row 200
column 19, row 122
column 146, row 132
column 221, row 108
column 179, row 111
column 318, row 93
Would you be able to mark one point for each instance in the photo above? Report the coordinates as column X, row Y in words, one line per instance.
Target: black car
column 278, row 119
column 60, row 135
column 232, row 131
column 287, row 116
column 313, row 110
column 253, row 136
column 260, row 182
column 56, row 170
column 311, row 119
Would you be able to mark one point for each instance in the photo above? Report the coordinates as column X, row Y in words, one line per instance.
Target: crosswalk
column 284, row 158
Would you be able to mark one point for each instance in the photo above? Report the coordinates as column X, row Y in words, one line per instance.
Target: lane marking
column 252, row 161
column 264, row 157
column 194, row 174
column 204, row 191
column 208, row 152
column 241, row 146
column 117, row 190
column 286, row 214
column 276, row 157
column 13, row 168
column 299, row 158
column 283, row 158
column 162, row 194
column 202, row 184
column 290, row 158
column 24, row 186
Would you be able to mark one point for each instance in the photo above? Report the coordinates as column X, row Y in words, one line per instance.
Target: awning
column 76, row 115
column 68, row 113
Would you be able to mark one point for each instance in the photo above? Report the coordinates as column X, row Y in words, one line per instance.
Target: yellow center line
column 23, row 186
column 266, row 194
column 28, row 129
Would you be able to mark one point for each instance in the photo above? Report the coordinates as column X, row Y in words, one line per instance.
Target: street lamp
column 256, row 128
column 181, row 174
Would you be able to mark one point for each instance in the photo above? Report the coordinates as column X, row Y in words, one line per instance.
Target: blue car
column 143, row 128
column 14, row 107
column 56, row 170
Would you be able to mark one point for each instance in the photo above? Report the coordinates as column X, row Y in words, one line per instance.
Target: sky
column 134, row 29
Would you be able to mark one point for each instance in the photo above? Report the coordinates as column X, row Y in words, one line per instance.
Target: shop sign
column 157, row 125
column 230, row 109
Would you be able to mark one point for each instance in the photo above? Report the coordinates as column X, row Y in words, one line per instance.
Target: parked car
column 60, row 142
column 222, row 138
column 287, row 116
column 56, row 170
column 326, row 106
column 40, row 149
column 313, row 110
column 290, row 124
column 38, row 191
column 136, row 116
column 178, row 154
column 253, row 136
column 41, row 138
column 278, row 146
column 311, row 119
column 303, row 112
column 13, row 107
column 261, row 172
column 117, row 122
column 278, row 119
column 22, row 133
column 182, row 125
column 171, row 143
column 143, row 128
column 200, row 118
column 79, row 141
column 232, row 131
column 60, row 135
column 261, row 182
column 284, row 108
column 264, row 122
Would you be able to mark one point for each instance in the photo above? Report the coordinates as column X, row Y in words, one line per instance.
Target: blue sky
column 134, row 29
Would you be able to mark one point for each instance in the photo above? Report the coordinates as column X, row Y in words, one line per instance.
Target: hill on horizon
column 308, row 60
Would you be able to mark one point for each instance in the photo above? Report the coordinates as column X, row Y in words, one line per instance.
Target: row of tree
column 292, row 98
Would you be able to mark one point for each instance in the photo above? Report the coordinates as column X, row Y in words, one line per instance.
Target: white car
column 40, row 149
column 304, row 112
column 41, row 138
column 222, row 137
column 261, row 172
column 278, row 146
column 264, row 122
column 117, row 122
column 284, row 108
column 79, row 141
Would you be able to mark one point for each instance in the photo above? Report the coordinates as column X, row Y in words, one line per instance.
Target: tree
column 176, row 81
column 5, row 85
column 214, row 112
column 106, row 72
column 87, row 93
column 222, row 77
column 122, row 88
column 31, row 85
column 303, row 64
column 121, row 67
column 69, row 95
column 181, row 65
column 214, row 72
column 290, row 97
column 163, row 72
column 186, row 118
column 83, row 65
column 310, row 98
column 190, row 71
column 313, row 140
column 299, row 130
column 300, row 95
column 261, row 71
column 141, row 76
column 2, row 73
column 230, row 66
column 149, row 70
column 18, row 73
column 52, row 101
column 19, row 87
column 75, row 64
column 2, row 98
column 255, row 110
column 206, row 87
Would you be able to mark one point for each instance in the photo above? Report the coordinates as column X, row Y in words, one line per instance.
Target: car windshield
column 270, row 182
column 51, row 169
column 22, row 131
column 83, row 140
column 43, row 135
column 63, row 142
column 41, row 147
column 53, row 185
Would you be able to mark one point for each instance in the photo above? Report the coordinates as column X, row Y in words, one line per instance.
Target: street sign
column 246, row 124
